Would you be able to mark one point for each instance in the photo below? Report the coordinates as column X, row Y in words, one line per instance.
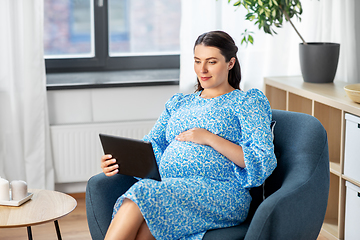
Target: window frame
column 102, row 61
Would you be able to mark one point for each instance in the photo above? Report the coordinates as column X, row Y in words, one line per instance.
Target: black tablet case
column 134, row 157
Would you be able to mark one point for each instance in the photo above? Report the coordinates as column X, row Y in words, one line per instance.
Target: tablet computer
column 135, row 157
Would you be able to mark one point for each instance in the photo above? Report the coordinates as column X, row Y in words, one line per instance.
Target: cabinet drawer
column 352, row 212
column 352, row 147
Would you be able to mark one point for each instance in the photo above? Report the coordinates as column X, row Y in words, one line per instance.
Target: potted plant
column 318, row 61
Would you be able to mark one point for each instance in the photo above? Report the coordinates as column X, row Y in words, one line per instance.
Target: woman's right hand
column 109, row 166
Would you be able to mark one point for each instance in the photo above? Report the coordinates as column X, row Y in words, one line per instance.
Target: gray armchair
column 291, row 204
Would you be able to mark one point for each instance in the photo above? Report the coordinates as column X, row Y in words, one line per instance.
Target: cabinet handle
column 358, row 194
column 358, row 125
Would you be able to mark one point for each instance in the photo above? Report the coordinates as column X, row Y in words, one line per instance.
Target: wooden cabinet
column 328, row 103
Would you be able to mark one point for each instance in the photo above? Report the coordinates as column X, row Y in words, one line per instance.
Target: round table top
column 44, row 206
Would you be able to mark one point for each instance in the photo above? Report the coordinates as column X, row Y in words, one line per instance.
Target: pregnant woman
column 211, row 147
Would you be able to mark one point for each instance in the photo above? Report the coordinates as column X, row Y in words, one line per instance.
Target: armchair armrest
column 292, row 213
column 101, row 195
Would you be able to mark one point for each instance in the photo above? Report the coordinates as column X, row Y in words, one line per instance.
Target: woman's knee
column 130, row 207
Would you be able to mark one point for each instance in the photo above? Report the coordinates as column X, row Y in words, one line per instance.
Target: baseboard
column 76, row 187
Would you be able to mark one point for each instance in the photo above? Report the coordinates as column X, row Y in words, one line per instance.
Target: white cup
column 4, row 190
column 18, row 190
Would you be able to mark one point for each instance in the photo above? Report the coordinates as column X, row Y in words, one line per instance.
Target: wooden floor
column 73, row 226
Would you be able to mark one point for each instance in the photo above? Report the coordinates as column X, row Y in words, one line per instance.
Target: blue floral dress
column 201, row 189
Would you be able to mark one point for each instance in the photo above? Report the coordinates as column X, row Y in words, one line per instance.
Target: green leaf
column 267, row 29
column 238, row 3
column 260, row 2
column 250, row 18
column 251, row 39
column 273, row 13
column 243, row 40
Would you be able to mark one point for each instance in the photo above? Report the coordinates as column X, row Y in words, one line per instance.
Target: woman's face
column 211, row 68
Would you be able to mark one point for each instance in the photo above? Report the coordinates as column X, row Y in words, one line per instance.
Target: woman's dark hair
column 222, row 41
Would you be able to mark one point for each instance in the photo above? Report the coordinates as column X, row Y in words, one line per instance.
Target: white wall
column 107, row 104
column 357, row 40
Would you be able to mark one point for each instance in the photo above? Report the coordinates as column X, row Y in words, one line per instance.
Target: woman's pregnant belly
column 187, row 159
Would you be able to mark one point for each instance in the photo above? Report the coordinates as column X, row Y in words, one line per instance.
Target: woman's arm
column 256, row 139
column 202, row 136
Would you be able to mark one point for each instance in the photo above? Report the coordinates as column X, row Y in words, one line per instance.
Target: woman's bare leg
column 144, row 233
column 126, row 222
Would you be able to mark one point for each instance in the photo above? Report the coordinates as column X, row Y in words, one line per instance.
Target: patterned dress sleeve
column 256, row 141
column 157, row 135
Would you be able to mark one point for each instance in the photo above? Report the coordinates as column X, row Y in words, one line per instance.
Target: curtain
column 24, row 128
column 336, row 22
column 276, row 55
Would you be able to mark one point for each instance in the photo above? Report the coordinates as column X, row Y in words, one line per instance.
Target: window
column 84, row 35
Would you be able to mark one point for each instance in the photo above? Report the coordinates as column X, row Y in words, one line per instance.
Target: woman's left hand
column 195, row 135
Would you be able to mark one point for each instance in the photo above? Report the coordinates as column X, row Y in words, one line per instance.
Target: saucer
column 16, row 203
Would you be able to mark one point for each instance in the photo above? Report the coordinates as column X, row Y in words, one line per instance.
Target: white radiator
column 77, row 149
